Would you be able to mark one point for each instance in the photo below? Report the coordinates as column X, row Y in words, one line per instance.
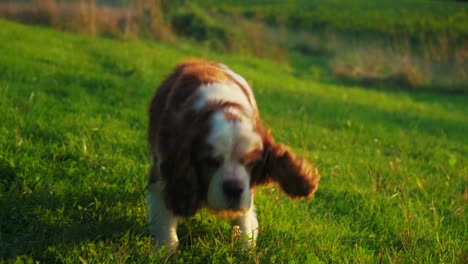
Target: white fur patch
column 162, row 222
column 247, row 139
column 248, row 225
column 222, row 91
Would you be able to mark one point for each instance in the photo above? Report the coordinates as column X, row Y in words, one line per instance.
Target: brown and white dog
column 210, row 149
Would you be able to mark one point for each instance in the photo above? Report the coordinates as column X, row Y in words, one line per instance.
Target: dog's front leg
column 248, row 226
column 162, row 222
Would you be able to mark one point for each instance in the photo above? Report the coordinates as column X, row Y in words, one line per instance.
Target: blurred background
column 404, row 44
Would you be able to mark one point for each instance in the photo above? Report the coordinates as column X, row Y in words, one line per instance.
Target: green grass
column 73, row 161
column 389, row 17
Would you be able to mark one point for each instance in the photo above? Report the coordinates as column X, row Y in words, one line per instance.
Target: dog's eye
column 213, row 162
column 251, row 159
column 248, row 164
column 251, row 165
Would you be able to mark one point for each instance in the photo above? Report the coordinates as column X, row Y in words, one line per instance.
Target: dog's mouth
column 231, row 209
column 229, row 213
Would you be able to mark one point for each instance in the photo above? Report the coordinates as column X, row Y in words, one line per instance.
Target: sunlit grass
column 73, row 161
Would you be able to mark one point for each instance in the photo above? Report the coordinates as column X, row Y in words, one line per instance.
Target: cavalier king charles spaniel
column 210, row 150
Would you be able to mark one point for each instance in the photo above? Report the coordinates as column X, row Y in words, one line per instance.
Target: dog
column 210, row 150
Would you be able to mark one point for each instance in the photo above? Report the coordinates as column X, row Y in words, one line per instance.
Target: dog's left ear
column 297, row 177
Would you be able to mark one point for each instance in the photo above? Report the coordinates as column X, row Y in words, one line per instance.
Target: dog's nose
column 233, row 189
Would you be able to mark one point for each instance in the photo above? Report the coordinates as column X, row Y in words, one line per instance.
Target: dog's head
column 210, row 144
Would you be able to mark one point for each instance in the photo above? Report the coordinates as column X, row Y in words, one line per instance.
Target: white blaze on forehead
column 222, row 92
column 221, row 136
column 232, row 138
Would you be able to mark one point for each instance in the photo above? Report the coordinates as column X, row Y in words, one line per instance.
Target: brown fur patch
column 252, row 156
column 297, row 177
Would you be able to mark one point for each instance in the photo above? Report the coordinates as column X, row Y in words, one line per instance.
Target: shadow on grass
column 33, row 222
column 40, row 219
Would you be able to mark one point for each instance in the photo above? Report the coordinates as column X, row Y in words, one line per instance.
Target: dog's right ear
column 182, row 189
column 297, row 177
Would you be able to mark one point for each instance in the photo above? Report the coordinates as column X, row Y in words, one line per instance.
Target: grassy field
column 73, row 161
column 393, row 17
column 411, row 44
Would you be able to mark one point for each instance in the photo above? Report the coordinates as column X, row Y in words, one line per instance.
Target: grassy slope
column 417, row 44
column 393, row 17
column 73, row 160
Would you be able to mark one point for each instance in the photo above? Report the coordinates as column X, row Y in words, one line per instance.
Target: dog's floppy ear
column 297, row 177
column 182, row 187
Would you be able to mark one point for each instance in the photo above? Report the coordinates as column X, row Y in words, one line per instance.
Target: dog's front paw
column 169, row 246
